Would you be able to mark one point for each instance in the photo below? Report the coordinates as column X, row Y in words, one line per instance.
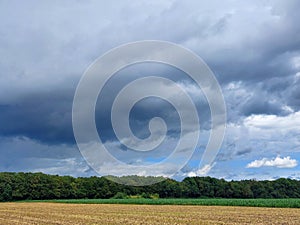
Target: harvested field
column 58, row 213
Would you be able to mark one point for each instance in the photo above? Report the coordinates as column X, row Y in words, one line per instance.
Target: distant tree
column 20, row 186
column 120, row 195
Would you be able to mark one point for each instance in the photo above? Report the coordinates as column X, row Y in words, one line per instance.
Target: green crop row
column 279, row 203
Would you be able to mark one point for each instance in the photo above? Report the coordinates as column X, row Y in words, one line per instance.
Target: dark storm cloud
column 141, row 113
column 44, row 117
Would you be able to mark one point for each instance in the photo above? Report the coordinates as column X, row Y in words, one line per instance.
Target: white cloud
column 201, row 171
column 278, row 135
column 70, row 166
column 285, row 162
column 290, row 122
column 296, row 62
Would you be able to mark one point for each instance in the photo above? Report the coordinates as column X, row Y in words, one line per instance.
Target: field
column 281, row 203
column 61, row 213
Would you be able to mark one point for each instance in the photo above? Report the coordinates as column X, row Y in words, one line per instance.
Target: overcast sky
column 253, row 48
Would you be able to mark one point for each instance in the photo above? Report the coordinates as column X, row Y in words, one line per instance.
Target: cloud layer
column 252, row 47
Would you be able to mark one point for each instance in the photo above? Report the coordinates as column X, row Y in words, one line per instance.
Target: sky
column 252, row 47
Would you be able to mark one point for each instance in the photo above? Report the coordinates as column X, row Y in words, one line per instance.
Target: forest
column 39, row 186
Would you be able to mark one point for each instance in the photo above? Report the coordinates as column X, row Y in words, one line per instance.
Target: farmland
column 61, row 213
column 278, row 203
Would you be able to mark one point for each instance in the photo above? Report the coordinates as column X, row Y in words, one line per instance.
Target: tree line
column 39, row 186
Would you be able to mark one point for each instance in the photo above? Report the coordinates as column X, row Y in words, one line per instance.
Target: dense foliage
column 26, row 186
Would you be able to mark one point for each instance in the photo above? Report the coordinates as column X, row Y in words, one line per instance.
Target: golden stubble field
column 58, row 213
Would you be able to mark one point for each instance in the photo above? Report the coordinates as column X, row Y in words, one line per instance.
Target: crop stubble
column 58, row 213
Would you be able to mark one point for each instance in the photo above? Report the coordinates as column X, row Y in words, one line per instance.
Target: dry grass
column 57, row 213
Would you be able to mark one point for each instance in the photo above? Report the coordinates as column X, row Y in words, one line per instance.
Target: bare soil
column 59, row 213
